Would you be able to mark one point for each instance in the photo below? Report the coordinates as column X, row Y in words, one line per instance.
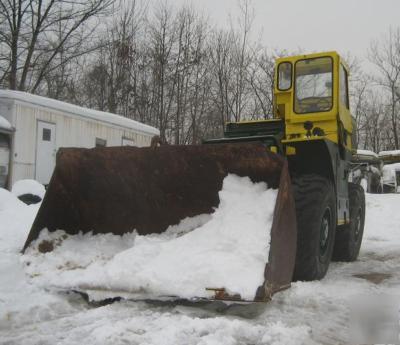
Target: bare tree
column 161, row 41
column 243, row 57
column 385, row 55
column 35, row 32
column 221, row 65
column 261, row 79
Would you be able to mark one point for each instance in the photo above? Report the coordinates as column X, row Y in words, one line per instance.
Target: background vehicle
column 367, row 171
column 391, row 171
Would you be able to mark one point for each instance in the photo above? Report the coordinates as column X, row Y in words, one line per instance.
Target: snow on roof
column 4, row 124
column 367, row 153
column 80, row 111
column 389, row 153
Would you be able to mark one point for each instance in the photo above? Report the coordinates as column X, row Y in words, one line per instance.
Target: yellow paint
column 290, row 150
column 327, row 121
column 296, row 140
column 273, row 149
column 343, row 222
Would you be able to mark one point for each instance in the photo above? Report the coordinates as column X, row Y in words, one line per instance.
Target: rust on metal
column 122, row 189
column 282, row 253
column 220, row 294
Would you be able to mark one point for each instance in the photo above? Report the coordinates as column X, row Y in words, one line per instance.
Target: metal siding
column 22, row 171
column 71, row 131
column 12, row 176
column 6, row 111
column 140, row 139
column 132, row 136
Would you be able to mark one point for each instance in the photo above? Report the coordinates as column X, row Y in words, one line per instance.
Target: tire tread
column 310, row 191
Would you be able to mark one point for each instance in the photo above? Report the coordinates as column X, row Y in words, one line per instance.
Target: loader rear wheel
column 349, row 236
column 316, row 225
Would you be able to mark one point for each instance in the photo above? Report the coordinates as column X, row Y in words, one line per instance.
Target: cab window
column 344, row 94
column 313, row 85
column 284, row 76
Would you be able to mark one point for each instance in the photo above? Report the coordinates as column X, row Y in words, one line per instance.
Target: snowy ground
column 307, row 313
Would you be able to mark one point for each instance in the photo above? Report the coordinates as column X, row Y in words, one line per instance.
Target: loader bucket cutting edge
column 120, row 189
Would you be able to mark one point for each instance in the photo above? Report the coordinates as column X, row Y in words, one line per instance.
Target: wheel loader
column 304, row 151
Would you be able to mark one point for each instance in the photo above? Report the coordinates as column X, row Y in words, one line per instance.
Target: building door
column 45, row 151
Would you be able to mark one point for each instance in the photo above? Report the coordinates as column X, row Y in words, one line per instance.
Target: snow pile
column 228, row 249
column 8, row 201
column 22, row 187
column 367, row 153
column 20, row 302
column 4, row 124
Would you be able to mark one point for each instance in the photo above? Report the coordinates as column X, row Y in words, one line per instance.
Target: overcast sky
column 312, row 25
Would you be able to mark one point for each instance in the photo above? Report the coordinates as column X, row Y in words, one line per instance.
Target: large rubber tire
column 349, row 236
column 316, row 225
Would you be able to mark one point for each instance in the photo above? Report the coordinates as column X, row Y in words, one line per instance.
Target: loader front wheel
column 316, row 225
column 349, row 237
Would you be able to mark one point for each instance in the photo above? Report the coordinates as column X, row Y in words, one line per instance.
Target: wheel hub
column 324, row 232
column 357, row 228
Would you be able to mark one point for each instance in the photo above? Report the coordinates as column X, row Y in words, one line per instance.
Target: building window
column 4, row 140
column 46, row 135
column 101, row 142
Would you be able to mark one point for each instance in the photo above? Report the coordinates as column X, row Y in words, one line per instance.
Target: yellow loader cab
column 312, row 126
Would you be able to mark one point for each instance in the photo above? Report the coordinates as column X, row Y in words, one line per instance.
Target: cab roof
column 334, row 54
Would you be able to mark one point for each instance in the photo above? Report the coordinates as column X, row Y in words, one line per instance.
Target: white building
column 33, row 128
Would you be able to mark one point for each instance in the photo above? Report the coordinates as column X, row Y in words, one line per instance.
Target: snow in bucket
column 227, row 249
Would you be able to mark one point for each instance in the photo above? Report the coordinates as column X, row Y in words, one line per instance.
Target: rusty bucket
column 121, row 189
